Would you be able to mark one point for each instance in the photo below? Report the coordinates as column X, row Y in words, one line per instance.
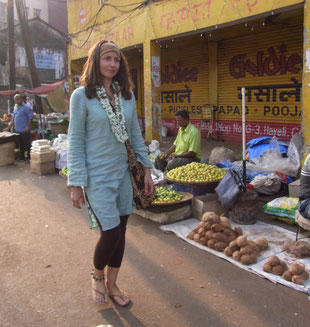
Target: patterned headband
column 107, row 47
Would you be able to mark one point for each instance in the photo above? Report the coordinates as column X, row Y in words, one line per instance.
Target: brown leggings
column 111, row 245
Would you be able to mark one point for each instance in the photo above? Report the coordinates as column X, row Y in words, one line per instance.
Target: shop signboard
column 270, row 69
column 184, row 80
column 271, row 72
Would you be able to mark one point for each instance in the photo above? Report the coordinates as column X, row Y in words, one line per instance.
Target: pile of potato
column 244, row 250
column 299, row 249
column 275, row 266
column 214, row 232
column 296, row 273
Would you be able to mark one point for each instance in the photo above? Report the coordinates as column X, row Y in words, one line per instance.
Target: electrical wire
column 129, row 4
column 96, row 16
column 114, row 26
column 125, row 11
column 119, row 23
column 92, row 28
column 151, row 21
column 140, row 4
column 196, row 28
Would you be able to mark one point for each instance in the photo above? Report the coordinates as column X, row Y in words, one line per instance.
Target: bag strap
column 238, row 180
column 131, row 155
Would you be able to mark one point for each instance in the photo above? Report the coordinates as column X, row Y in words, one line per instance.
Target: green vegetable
column 65, row 171
column 165, row 195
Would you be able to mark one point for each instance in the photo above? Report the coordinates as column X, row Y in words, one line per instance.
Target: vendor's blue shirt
column 21, row 116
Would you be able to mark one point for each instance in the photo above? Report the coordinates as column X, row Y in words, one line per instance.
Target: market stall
column 50, row 125
column 270, row 251
column 267, row 250
column 252, row 248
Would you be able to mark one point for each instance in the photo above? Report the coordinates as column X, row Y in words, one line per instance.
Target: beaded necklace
column 116, row 116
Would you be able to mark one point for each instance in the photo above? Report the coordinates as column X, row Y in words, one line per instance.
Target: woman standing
column 102, row 116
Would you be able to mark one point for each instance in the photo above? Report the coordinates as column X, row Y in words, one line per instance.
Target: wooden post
column 151, row 56
column 29, row 50
column 11, row 48
column 243, row 135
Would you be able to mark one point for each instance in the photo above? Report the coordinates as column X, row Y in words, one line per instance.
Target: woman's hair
column 91, row 76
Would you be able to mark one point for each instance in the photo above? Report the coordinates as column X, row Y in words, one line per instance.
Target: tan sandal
column 98, row 297
column 115, row 297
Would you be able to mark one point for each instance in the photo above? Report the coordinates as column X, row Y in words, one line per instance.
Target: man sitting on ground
column 186, row 147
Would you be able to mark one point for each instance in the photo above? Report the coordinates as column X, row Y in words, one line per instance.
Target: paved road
column 46, row 254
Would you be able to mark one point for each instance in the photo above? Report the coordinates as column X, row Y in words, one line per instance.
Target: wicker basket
column 301, row 221
column 7, row 153
column 59, row 128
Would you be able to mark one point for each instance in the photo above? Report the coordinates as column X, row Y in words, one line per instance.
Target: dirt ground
column 46, row 251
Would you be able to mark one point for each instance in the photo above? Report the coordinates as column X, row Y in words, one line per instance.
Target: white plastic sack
column 154, row 150
column 60, row 142
column 60, row 145
column 269, row 184
column 61, row 159
column 164, row 131
column 272, row 160
column 158, row 176
column 153, row 146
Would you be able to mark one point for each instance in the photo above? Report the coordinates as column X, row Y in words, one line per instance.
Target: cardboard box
column 167, row 217
column 42, row 168
column 205, row 203
column 43, row 157
column 293, row 189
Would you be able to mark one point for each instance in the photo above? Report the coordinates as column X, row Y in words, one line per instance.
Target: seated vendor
column 186, row 147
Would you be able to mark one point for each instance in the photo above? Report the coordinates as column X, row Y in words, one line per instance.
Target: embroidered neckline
column 116, row 118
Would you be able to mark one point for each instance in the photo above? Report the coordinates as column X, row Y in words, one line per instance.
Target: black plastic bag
column 229, row 188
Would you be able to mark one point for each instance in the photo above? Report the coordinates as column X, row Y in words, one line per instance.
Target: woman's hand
column 149, row 187
column 77, row 196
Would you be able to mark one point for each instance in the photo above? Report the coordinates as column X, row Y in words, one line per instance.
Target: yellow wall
column 135, row 61
column 265, row 59
column 134, row 24
column 184, row 67
column 137, row 24
column 87, row 24
column 271, row 60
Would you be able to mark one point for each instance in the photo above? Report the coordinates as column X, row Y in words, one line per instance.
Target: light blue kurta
column 98, row 162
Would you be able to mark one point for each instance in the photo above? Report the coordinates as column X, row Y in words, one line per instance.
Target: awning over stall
column 42, row 90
